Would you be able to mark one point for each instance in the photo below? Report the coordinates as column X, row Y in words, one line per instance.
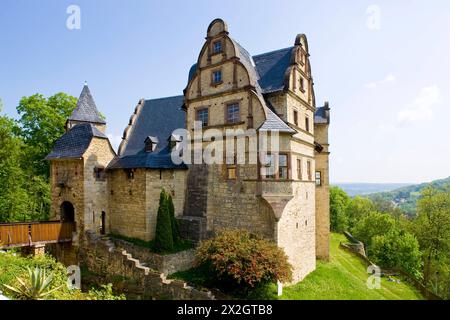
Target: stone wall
column 98, row 155
column 102, row 257
column 166, row 264
column 323, row 196
column 67, row 184
column 296, row 231
column 128, row 204
column 134, row 201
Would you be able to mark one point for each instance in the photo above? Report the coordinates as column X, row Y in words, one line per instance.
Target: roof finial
column 85, row 83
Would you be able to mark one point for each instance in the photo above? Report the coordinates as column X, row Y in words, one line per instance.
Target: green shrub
column 173, row 220
column 163, row 236
column 240, row 260
column 35, row 287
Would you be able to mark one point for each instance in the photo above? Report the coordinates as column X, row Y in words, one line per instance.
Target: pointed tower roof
column 86, row 110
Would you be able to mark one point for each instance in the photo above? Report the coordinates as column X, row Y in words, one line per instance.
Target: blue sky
column 383, row 65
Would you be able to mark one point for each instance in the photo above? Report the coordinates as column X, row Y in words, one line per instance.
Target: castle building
column 284, row 198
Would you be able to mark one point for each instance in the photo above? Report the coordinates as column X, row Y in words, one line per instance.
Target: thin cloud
column 422, row 107
column 390, row 78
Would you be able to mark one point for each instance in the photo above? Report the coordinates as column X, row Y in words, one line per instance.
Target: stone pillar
column 34, row 250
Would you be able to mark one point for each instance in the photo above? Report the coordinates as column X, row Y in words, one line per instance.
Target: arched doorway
column 67, row 212
column 103, row 229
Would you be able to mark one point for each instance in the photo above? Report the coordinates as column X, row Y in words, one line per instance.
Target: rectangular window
column 231, row 173
column 299, row 169
column 268, row 170
column 217, row 47
column 231, row 167
column 302, row 84
column 309, row 170
column 203, row 116
column 275, row 167
column 233, row 115
column 296, row 117
column 217, row 77
column 307, row 123
column 99, row 174
column 283, row 166
column 318, row 178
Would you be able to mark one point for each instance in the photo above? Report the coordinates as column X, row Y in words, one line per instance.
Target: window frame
column 227, row 112
column 302, row 84
column 214, row 51
column 309, row 170
column 299, row 169
column 295, row 117
column 213, row 77
column 319, row 179
column 276, row 162
column 197, row 112
column 100, row 174
column 231, row 166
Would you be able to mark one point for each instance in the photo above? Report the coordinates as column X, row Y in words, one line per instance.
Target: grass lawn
column 343, row 278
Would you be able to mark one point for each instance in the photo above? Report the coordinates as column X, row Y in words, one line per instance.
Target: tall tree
column 357, row 209
column 42, row 122
column 163, row 234
column 432, row 228
column 13, row 197
column 339, row 201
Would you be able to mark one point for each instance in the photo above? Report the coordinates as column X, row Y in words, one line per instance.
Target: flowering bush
column 240, row 259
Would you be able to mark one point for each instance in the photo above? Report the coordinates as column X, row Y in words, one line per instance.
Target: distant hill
column 362, row 189
column 406, row 197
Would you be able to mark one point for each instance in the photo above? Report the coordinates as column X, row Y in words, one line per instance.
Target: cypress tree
column 175, row 231
column 163, row 236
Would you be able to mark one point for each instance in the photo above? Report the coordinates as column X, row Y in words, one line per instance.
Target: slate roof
column 320, row 116
column 73, row 144
column 86, row 109
column 271, row 67
column 158, row 118
column 268, row 69
column 267, row 72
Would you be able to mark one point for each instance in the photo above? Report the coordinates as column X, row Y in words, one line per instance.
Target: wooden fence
column 26, row 234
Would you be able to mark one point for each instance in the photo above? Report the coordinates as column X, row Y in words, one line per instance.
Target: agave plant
column 38, row 286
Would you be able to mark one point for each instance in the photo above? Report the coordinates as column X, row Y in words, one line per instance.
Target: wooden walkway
column 32, row 233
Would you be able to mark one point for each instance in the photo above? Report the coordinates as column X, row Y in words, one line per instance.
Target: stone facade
column 290, row 207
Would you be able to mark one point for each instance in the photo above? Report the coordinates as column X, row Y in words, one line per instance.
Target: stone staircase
column 104, row 258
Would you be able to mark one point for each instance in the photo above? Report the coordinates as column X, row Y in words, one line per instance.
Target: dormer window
column 217, row 46
column 217, row 77
column 150, row 144
column 174, row 141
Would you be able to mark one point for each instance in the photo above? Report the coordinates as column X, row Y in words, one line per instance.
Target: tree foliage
column 24, row 174
column 339, row 201
column 397, row 249
column 432, row 228
column 357, row 209
column 42, row 122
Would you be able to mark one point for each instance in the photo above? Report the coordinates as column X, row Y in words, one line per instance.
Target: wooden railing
column 25, row 234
